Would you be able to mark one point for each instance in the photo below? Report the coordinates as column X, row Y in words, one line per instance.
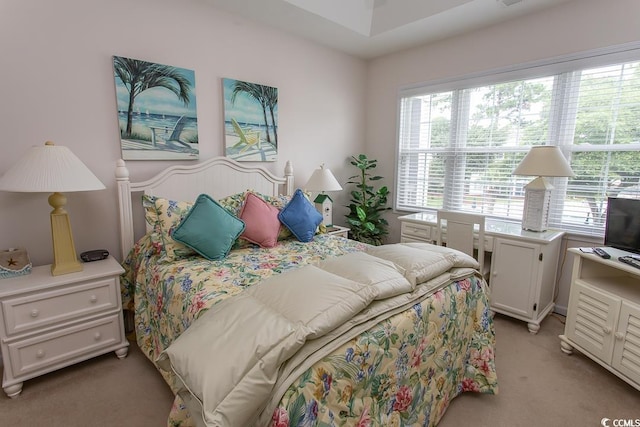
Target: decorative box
column 14, row 262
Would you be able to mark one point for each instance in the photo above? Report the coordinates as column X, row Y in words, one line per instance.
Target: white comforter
column 239, row 357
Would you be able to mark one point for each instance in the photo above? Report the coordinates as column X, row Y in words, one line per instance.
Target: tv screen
column 623, row 224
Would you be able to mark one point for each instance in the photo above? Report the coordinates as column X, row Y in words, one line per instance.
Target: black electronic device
column 623, row 224
column 94, row 255
column 630, row 260
column 601, row 253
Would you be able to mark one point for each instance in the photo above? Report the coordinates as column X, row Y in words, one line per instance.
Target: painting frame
column 156, row 110
column 250, row 121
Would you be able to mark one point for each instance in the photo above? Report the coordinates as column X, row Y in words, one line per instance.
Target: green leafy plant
column 367, row 204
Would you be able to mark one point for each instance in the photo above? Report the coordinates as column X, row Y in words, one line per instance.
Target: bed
column 398, row 330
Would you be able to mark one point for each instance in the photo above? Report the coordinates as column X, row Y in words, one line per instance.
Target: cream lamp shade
column 323, row 180
column 53, row 169
column 541, row 161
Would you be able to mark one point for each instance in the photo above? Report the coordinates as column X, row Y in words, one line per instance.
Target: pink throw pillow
column 261, row 221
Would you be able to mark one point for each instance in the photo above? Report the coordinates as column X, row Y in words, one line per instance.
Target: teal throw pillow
column 301, row 217
column 209, row 229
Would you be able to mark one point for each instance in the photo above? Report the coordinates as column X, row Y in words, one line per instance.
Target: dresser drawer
column 58, row 305
column 44, row 353
column 416, row 231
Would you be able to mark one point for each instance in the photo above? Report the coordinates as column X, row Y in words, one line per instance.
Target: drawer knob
column 606, row 329
column 40, row 353
column 97, row 336
column 35, row 312
column 93, row 298
column 619, row 336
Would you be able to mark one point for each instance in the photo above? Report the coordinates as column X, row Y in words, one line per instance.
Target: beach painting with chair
column 156, row 110
column 250, row 121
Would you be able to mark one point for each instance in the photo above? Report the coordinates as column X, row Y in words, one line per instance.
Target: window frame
column 566, row 66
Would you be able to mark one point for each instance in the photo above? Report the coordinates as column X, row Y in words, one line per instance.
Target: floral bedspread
column 167, row 297
column 404, row 371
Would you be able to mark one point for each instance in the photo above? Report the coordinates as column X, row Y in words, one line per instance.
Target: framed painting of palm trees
column 156, row 110
column 251, row 121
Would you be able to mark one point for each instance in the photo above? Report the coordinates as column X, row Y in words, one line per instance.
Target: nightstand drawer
column 64, row 347
column 416, row 231
column 59, row 305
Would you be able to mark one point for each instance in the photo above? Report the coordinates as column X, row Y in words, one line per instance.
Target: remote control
column 629, row 260
column 601, row 252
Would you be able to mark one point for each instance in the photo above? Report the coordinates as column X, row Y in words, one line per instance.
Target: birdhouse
column 324, row 204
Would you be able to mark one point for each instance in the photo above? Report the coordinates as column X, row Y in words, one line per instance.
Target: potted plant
column 367, row 204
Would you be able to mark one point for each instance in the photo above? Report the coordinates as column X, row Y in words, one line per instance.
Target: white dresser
column 524, row 264
column 603, row 316
column 49, row 322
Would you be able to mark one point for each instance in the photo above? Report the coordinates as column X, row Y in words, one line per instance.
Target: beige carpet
column 542, row 386
column 539, row 386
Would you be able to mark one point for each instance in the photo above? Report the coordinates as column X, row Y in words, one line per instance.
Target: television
column 622, row 227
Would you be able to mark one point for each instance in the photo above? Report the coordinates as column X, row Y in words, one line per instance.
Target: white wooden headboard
column 217, row 177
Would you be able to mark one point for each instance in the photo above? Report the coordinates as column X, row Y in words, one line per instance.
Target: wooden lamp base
column 65, row 259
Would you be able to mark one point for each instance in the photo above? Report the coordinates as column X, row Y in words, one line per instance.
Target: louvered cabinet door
column 626, row 353
column 591, row 320
column 603, row 316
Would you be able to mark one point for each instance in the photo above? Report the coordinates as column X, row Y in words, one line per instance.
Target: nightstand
column 338, row 231
column 49, row 322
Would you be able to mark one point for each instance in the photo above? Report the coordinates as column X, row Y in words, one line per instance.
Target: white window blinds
column 457, row 148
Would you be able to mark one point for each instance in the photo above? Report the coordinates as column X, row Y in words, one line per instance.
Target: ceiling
column 371, row 28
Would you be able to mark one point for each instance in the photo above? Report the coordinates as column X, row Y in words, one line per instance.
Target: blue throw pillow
column 301, row 217
column 209, row 229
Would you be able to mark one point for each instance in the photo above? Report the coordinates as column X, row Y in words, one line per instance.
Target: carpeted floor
column 539, row 386
column 542, row 386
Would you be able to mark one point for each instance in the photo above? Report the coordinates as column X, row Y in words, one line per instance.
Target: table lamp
column 541, row 161
column 53, row 169
column 323, row 180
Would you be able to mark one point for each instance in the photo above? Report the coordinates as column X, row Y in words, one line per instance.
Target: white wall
column 57, row 84
column 569, row 28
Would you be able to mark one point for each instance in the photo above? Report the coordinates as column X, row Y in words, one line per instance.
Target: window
column 459, row 141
